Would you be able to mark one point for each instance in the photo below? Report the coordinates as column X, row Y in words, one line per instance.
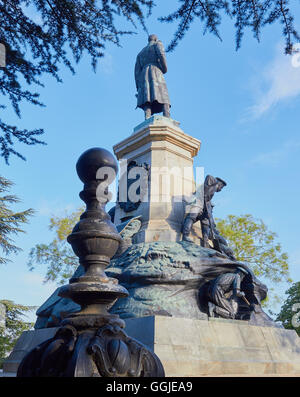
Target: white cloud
column 277, row 82
column 277, row 156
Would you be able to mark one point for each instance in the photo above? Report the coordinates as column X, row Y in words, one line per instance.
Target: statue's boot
column 223, row 313
column 211, row 309
column 205, row 243
column 148, row 112
column 166, row 110
column 186, row 229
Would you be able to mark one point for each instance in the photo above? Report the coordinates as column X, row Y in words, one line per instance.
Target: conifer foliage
column 39, row 35
column 246, row 14
column 15, row 325
column 10, row 221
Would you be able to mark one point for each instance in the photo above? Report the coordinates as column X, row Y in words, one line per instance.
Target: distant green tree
column 14, row 326
column 249, row 238
column 58, row 255
column 10, row 221
column 291, row 306
column 254, row 244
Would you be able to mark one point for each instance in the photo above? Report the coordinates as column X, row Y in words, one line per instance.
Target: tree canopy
column 249, row 238
column 10, row 221
column 253, row 15
column 253, row 243
column 15, row 324
column 58, row 255
column 41, row 35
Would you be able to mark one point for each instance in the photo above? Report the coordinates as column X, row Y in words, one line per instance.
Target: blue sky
column 243, row 106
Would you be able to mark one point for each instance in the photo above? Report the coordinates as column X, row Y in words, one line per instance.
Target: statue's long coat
column 149, row 72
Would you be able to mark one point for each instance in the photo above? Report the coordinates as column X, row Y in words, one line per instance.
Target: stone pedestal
column 218, row 347
column 161, row 144
column 27, row 341
column 188, row 347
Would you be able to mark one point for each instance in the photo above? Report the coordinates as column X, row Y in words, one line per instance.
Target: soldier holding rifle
column 203, row 213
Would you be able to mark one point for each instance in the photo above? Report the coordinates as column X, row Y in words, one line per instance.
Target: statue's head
column 220, row 184
column 152, row 38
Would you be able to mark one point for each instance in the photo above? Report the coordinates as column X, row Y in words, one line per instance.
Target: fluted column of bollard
column 92, row 342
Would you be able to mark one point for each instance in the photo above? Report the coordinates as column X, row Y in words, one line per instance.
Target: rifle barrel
column 246, row 300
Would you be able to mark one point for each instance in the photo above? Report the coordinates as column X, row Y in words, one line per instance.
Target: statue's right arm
column 237, row 286
column 161, row 56
column 137, row 71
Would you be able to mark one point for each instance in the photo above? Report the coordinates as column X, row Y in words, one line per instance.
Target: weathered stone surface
column 191, row 347
column 215, row 347
column 27, row 341
column 160, row 143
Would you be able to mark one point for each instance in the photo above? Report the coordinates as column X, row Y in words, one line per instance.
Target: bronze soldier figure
column 150, row 66
column 255, row 292
column 220, row 244
column 218, row 300
column 204, row 213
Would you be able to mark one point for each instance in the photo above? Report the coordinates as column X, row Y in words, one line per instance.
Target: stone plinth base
column 27, row 341
column 217, row 347
column 161, row 145
column 190, row 348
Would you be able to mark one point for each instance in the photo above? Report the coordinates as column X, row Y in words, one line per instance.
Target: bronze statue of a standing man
column 150, row 67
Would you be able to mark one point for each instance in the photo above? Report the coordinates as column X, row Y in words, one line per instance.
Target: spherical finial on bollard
column 94, row 238
column 92, row 160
